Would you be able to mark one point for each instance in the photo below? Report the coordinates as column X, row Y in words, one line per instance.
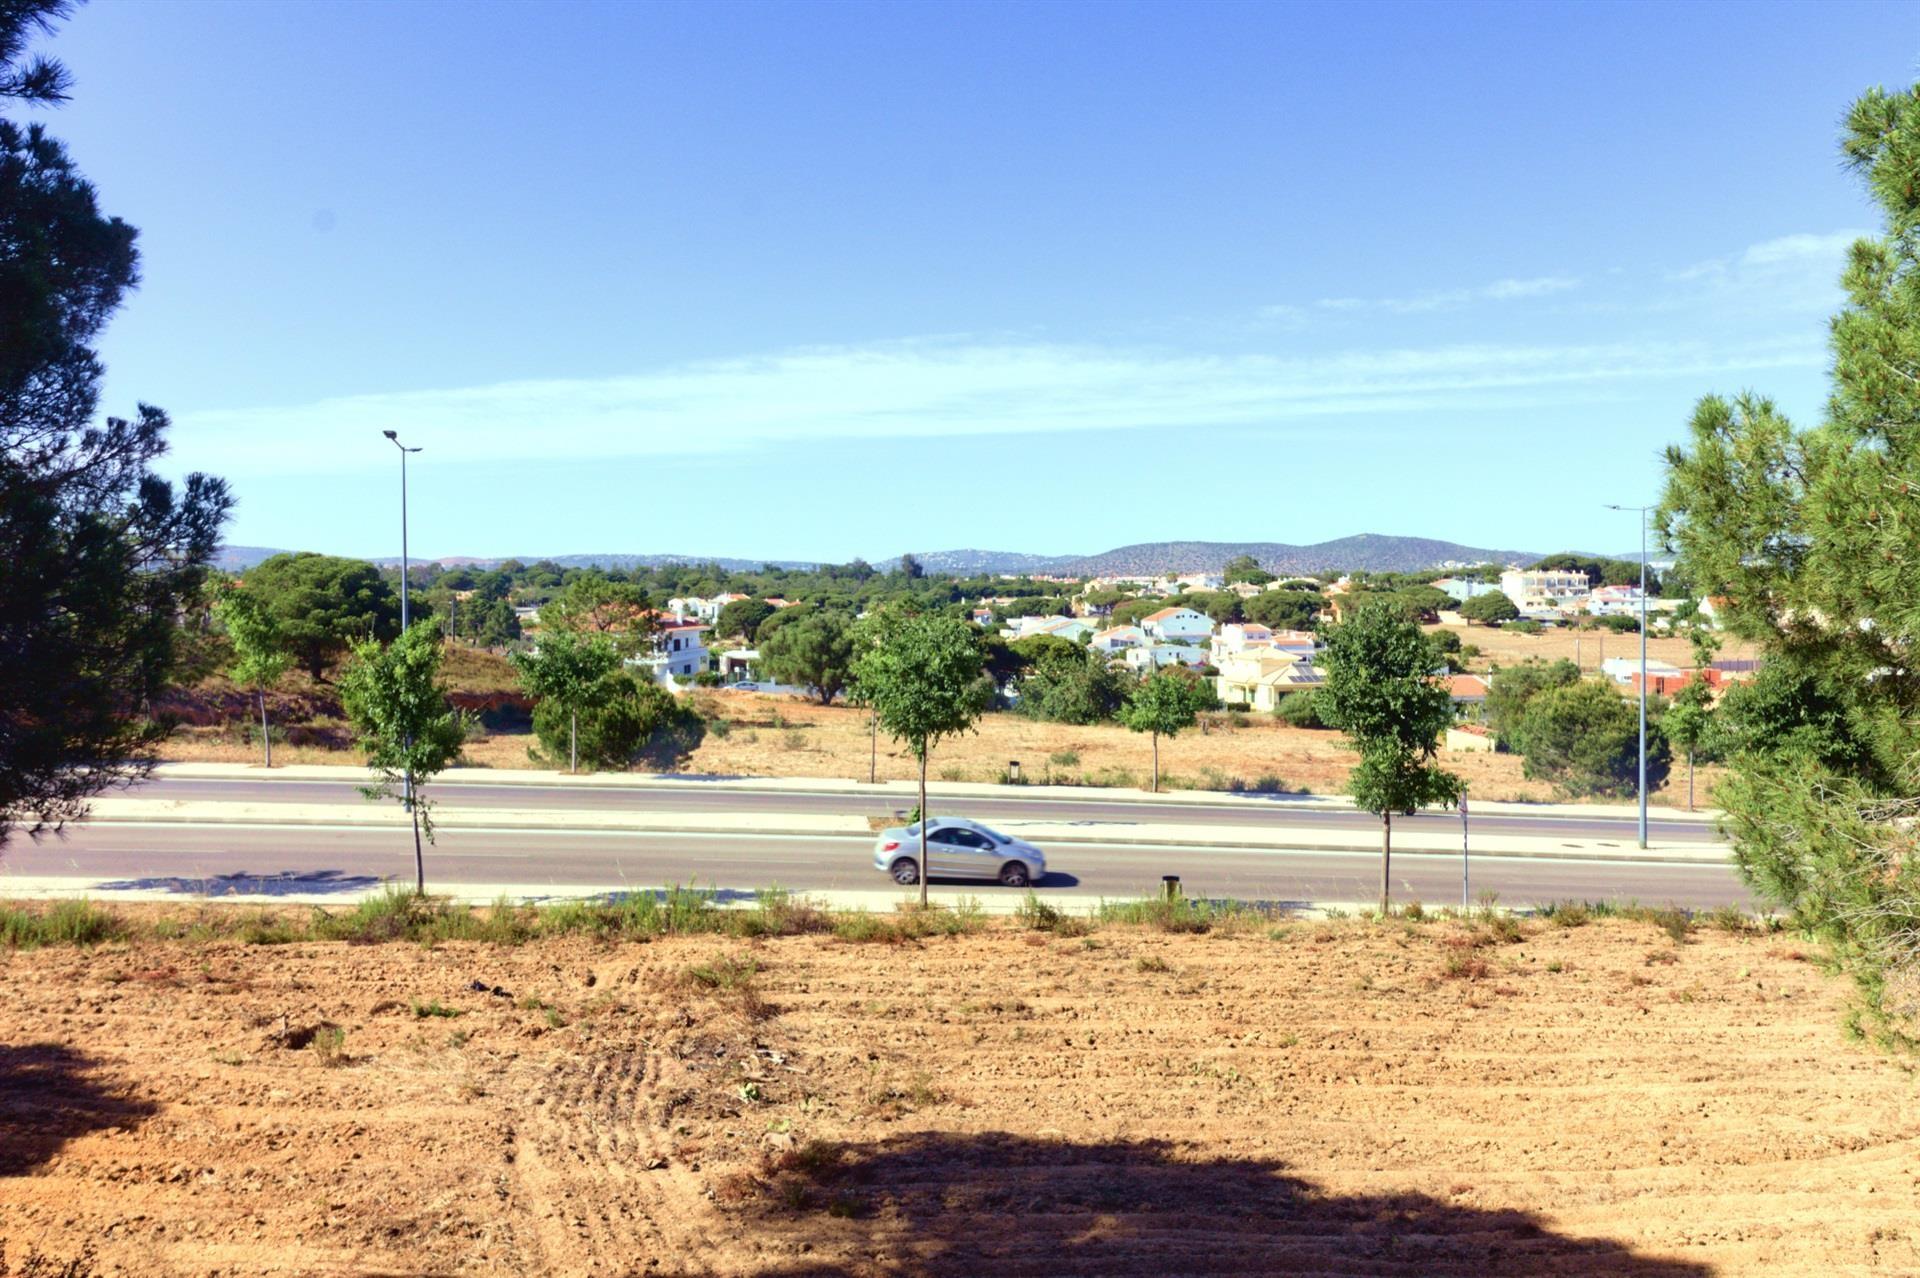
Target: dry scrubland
column 1328, row 1098
column 1589, row 647
column 784, row 737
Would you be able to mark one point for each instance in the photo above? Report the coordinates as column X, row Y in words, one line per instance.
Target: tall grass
column 63, row 923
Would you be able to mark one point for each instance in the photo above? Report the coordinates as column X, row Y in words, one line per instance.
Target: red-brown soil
column 1338, row 1098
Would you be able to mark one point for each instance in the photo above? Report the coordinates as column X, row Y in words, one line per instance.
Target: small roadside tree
column 568, row 668
column 1382, row 692
column 1163, row 705
column 1489, row 609
column 1687, row 722
column 393, row 697
column 922, row 680
column 260, row 656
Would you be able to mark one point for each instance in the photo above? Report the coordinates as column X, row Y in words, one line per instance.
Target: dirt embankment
column 1333, row 1098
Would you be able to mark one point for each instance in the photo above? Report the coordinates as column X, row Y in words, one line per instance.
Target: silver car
column 958, row 849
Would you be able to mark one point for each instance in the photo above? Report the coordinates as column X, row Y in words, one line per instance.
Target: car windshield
column 995, row 835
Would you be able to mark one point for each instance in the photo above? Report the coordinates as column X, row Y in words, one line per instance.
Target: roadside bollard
column 1170, row 886
column 1013, row 772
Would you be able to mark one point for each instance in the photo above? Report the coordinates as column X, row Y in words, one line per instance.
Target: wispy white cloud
column 925, row 389
column 1802, row 261
column 1505, row 290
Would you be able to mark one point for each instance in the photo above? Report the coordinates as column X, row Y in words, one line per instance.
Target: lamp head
column 393, row 435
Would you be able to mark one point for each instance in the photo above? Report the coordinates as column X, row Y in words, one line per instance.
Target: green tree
column 742, row 617
column 922, row 680
column 1301, row 709
column 1510, row 690
column 1162, row 704
column 595, row 604
column 1246, row 568
column 569, row 669
column 1809, row 537
column 394, row 699
column 1065, row 683
column 626, row 720
column 1688, row 722
column 1585, row 738
column 815, row 652
column 1382, row 693
column 489, row 622
column 1285, row 609
column 322, row 605
column 98, row 553
column 1489, row 609
column 260, row 657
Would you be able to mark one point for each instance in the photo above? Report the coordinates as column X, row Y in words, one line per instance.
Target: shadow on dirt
column 49, row 1094
column 946, row 1203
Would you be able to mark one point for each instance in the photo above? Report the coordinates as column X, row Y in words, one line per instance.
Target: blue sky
column 812, row 281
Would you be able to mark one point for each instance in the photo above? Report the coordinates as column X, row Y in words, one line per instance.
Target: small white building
column 1178, row 625
column 1153, row 656
column 1624, row 670
column 1068, row 628
column 1117, row 639
column 1614, row 601
column 1465, row 588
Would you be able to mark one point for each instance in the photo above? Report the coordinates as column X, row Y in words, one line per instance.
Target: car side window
column 944, row 836
column 974, row 839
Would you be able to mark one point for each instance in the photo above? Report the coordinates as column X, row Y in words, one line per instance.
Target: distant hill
column 241, row 558
column 1368, row 552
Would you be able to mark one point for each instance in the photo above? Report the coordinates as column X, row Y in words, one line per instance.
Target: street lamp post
column 1643, row 510
column 406, row 617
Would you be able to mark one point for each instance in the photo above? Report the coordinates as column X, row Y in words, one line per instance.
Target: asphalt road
column 693, row 797
column 197, row 860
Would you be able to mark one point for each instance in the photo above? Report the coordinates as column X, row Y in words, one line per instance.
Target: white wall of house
column 1178, row 625
column 1154, row 656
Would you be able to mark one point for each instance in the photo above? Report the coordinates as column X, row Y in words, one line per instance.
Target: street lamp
column 1643, row 664
column 405, row 617
column 404, row 450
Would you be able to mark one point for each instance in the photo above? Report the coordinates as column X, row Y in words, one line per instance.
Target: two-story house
column 1178, row 626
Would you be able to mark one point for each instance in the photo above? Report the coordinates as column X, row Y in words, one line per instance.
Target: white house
column 1177, row 625
column 1068, row 628
column 1627, row 669
column 1117, row 639
column 1465, row 588
column 1614, row 601
column 1259, row 677
column 1545, row 592
column 1152, row 656
column 678, row 651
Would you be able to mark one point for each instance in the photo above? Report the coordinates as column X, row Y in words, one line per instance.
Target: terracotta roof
column 1466, row 685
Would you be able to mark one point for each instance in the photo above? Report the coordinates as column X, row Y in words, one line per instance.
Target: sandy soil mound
column 1326, row 1099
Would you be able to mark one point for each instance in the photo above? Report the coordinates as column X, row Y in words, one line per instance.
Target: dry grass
column 784, row 737
column 1588, row 647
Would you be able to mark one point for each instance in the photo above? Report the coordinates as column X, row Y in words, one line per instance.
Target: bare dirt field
column 1587, row 647
column 1325, row 1098
column 768, row 736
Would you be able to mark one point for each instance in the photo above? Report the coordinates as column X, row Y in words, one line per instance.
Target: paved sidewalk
column 901, row 791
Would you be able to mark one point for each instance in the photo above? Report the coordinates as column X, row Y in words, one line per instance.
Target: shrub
column 63, row 923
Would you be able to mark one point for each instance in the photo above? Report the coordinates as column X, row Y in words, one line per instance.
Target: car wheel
column 905, row 871
column 1014, row 874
